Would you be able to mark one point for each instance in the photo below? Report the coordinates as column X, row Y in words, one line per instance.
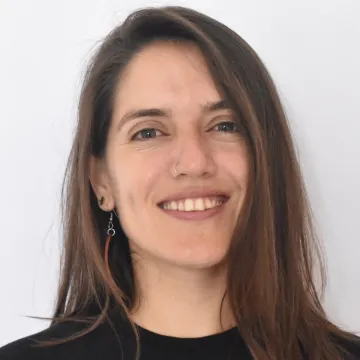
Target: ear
column 100, row 183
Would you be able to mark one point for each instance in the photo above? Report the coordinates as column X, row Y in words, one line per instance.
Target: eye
column 227, row 126
column 147, row 133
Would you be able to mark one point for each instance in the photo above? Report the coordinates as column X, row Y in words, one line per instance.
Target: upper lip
column 194, row 194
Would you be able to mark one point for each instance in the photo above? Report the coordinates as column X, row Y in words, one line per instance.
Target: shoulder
column 28, row 347
column 84, row 347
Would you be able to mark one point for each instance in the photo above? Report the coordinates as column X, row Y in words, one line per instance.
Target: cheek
column 125, row 187
column 134, row 187
column 126, row 194
column 236, row 165
column 133, row 182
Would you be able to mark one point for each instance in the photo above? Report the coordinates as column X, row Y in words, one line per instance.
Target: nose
column 193, row 157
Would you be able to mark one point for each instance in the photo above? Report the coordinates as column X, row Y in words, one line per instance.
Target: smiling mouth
column 194, row 204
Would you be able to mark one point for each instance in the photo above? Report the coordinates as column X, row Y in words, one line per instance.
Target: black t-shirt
column 117, row 342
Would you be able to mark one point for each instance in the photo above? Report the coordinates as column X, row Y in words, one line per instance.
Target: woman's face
column 175, row 166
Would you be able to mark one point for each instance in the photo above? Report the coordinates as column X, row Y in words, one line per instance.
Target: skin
column 179, row 264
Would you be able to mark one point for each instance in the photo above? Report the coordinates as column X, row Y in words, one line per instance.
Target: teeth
column 181, row 206
column 200, row 204
column 208, row 203
column 189, row 205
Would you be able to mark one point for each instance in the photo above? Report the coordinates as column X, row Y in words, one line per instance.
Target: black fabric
column 117, row 342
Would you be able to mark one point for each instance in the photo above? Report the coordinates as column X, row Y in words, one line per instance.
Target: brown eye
column 226, row 127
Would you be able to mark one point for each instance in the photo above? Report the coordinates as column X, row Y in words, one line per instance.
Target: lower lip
column 195, row 215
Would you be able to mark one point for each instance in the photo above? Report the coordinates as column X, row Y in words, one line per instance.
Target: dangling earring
column 110, row 234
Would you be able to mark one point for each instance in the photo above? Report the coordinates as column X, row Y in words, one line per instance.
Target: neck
column 181, row 302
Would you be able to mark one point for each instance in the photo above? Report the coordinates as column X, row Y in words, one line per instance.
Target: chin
column 200, row 261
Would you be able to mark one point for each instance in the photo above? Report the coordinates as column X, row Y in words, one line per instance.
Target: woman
column 188, row 234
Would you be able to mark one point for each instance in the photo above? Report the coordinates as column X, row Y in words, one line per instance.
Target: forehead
column 166, row 74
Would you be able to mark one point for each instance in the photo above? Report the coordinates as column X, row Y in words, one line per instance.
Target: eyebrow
column 164, row 112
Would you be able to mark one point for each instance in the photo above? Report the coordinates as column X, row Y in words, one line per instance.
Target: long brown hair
column 274, row 251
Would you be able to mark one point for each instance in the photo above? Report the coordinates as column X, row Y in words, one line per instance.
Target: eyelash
column 134, row 137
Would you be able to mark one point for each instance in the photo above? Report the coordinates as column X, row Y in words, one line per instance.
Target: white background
column 312, row 49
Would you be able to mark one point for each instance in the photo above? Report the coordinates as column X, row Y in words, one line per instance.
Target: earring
column 110, row 233
column 101, row 201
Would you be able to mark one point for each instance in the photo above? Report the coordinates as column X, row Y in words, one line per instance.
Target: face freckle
column 185, row 150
